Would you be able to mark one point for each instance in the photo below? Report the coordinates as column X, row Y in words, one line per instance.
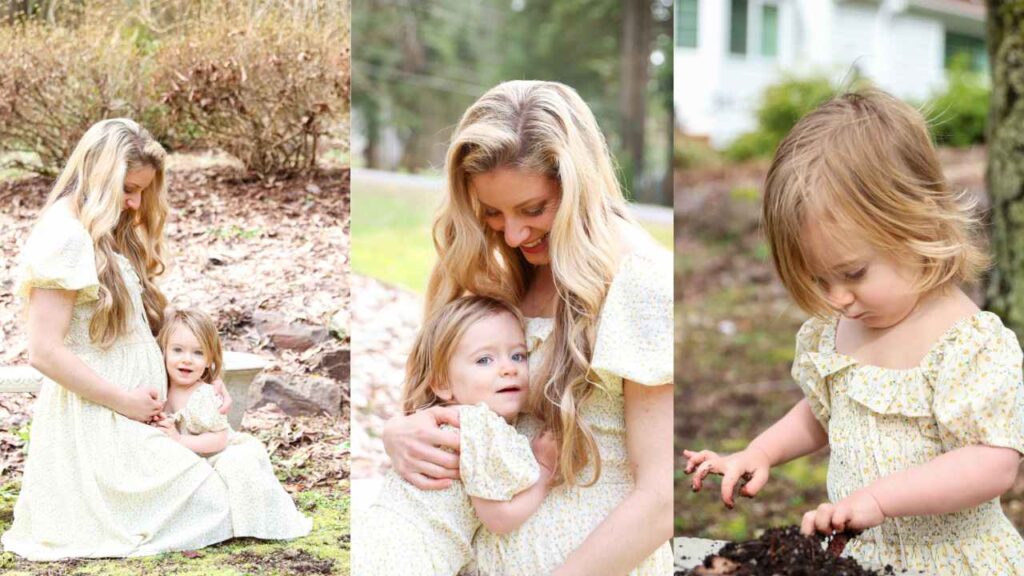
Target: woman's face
column 521, row 206
column 135, row 181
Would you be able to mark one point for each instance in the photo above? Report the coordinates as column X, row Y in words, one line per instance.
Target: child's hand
column 751, row 464
column 166, row 426
column 225, row 397
column 545, row 450
column 858, row 511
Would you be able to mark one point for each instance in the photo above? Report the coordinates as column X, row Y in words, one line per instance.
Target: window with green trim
column 972, row 48
column 686, row 23
column 738, row 26
column 769, row 30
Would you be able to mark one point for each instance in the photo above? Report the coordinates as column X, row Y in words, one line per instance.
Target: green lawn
column 324, row 551
column 391, row 238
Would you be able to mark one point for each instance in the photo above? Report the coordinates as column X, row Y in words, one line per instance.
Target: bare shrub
column 55, row 82
column 267, row 90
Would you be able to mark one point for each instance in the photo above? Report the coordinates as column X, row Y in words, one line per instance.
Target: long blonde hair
column 93, row 183
column 864, row 162
column 542, row 128
column 204, row 329
column 426, row 369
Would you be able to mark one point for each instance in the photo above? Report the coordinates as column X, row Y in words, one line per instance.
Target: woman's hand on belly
column 142, row 404
column 416, row 445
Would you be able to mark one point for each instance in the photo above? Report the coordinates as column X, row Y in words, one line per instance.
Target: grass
column 324, row 551
column 391, row 232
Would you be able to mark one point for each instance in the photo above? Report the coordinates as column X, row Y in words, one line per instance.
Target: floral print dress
column 966, row 391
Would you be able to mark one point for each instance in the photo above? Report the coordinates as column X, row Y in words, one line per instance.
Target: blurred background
column 251, row 100
column 745, row 72
column 417, row 66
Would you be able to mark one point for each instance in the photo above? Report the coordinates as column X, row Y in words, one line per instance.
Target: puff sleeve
column 202, row 412
column 635, row 332
column 495, row 461
column 978, row 390
column 59, row 254
column 812, row 366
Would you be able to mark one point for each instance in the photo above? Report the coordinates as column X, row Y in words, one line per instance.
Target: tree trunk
column 632, row 102
column 1005, row 291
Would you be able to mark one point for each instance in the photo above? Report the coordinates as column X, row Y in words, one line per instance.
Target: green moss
column 324, row 551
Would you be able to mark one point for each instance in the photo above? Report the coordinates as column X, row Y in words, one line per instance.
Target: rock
column 311, row 396
column 339, row 324
column 297, row 336
column 337, row 364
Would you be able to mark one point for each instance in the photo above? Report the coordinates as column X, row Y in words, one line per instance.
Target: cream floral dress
column 260, row 507
column 429, row 532
column 634, row 342
column 97, row 483
column 967, row 391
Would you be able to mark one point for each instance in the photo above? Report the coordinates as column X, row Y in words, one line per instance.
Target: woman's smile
column 521, row 206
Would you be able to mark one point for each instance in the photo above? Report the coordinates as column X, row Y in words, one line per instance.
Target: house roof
column 973, row 9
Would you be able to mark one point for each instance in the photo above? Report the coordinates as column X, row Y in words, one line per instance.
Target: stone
column 298, row 336
column 337, row 364
column 311, row 396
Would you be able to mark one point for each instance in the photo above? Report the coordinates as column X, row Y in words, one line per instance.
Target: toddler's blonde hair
column 205, row 331
column 427, row 366
column 864, row 163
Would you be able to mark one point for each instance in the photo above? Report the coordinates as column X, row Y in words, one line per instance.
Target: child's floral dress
column 966, row 391
column 430, row 532
column 260, row 507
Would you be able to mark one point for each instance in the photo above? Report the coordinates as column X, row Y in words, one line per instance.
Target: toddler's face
column 863, row 284
column 489, row 365
column 184, row 357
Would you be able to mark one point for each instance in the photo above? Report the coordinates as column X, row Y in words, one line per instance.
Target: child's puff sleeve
column 203, row 412
column 978, row 389
column 813, row 363
column 495, row 460
column 59, row 255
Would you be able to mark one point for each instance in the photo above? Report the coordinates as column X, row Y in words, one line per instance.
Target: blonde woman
column 98, row 480
column 534, row 216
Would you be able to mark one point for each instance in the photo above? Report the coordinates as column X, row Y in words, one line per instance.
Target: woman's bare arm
column 49, row 319
column 643, row 520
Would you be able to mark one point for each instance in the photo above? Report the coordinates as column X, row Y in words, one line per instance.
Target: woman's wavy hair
column 540, row 128
column 426, row 369
column 863, row 164
column 204, row 329
column 93, row 183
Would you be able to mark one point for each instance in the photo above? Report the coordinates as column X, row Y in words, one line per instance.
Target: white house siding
column 901, row 49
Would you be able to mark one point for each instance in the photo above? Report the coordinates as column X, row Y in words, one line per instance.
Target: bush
column 55, row 83
column 959, row 114
column 781, row 106
column 266, row 92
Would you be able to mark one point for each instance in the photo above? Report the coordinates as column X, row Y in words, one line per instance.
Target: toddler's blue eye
column 519, row 357
column 484, row 360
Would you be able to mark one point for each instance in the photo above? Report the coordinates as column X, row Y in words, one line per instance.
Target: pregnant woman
column 534, row 215
column 99, row 481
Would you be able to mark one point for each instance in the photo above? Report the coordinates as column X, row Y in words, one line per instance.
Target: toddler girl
column 470, row 353
column 260, row 507
column 916, row 392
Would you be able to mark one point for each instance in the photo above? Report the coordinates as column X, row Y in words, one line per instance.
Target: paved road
column 648, row 213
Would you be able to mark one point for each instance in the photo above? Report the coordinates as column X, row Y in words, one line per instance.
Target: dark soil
column 784, row 551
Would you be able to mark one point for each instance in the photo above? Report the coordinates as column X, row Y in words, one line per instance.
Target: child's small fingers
column 756, row 483
column 840, row 518
column 823, row 518
column 807, row 523
column 732, row 476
